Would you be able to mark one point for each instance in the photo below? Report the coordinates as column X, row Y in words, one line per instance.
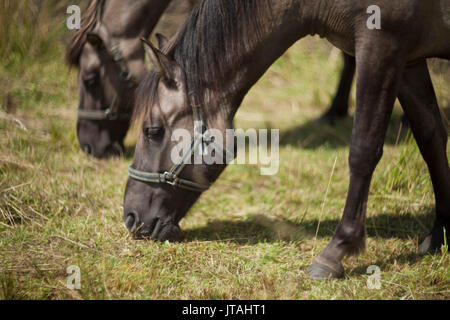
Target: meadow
column 249, row 236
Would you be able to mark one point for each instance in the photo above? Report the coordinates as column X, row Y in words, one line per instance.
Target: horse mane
column 209, row 46
column 78, row 40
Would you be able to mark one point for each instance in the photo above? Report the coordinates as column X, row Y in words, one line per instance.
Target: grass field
column 249, row 237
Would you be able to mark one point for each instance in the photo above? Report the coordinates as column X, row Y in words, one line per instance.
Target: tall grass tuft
column 8, row 291
column 30, row 29
column 409, row 172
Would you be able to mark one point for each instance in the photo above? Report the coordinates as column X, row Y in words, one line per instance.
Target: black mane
column 78, row 40
column 210, row 43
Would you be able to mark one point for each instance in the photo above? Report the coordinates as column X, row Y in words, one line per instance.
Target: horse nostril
column 87, row 148
column 130, row 222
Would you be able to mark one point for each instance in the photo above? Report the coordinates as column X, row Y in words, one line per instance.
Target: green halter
column 171, row 177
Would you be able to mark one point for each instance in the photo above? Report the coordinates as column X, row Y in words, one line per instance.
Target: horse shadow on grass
column 407, row 258
column 261, row 229
column 312, row 135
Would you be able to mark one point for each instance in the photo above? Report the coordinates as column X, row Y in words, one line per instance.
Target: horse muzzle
column 156, row 230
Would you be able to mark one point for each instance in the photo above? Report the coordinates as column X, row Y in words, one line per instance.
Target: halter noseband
column 171, row 177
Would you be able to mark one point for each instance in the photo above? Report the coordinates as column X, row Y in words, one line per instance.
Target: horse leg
column 378, row 77
column 339, row 106
column 419, row 102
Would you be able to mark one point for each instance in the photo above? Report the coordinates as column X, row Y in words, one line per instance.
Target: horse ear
column 162, row 41
column 162, row 64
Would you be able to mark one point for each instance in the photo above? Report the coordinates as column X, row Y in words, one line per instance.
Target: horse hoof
column 320, row 271
column 429, row 245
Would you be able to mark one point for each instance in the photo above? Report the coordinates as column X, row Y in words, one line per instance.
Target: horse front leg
column 377, row 84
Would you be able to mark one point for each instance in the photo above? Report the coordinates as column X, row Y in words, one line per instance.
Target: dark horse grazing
column 110, row 58
column 225, row 47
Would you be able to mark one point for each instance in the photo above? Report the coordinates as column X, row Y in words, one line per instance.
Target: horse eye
column 153, row 132
column 90, row 81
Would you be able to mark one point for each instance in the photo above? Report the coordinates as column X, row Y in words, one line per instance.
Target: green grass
column 249, row 237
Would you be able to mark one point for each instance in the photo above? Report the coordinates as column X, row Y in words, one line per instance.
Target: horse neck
column 127, row 19
column 287, row 22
